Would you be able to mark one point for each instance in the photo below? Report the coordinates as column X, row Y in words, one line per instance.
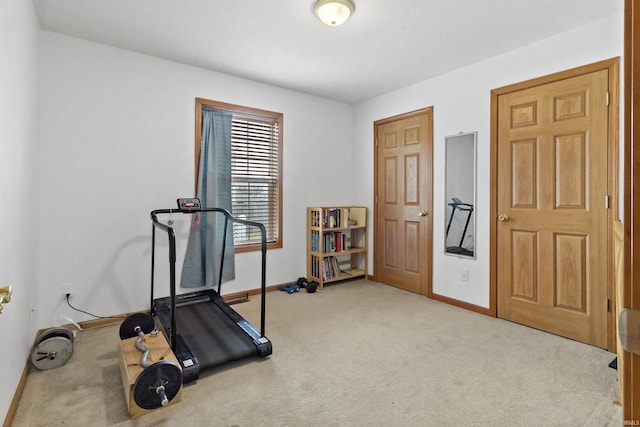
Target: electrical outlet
column 68, row 288
column 464, row 275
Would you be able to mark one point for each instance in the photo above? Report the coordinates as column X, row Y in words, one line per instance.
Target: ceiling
column 386, row 45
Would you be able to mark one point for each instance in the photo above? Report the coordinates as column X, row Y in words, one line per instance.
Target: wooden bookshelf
column 336, row 243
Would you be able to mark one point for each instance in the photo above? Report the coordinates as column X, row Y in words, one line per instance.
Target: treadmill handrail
column 172, row 259
column 455, row 205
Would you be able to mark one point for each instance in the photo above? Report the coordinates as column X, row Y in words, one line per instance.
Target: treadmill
column 457, row 204
column 201, row 328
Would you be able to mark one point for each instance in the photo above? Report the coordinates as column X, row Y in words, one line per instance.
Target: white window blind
column 255, row 176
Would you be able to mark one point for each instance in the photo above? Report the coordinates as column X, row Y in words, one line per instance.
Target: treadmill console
column 192, row 204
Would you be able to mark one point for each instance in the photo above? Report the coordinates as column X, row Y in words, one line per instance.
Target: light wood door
column 552, row 213
column 404, row 193
column 630, row 366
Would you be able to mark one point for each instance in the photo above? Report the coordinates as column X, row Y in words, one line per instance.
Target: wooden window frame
column 201, row 102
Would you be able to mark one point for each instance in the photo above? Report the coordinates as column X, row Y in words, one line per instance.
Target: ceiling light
column 333, row 12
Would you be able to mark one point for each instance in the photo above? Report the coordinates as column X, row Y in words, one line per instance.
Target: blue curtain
column 202, row 260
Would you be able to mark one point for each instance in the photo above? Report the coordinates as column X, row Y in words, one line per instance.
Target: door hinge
column 376, row 198
column 606, row 201
column 376, row 142
column 608, row 302
column 606, row 98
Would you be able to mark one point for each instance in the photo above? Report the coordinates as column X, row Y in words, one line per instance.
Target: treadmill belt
column 212, row 337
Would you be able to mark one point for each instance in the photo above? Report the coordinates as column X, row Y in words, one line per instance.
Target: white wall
column 18, row 188
column 117, row 141
column 461, row 101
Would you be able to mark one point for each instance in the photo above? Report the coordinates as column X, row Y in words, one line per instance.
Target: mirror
column 460, row 194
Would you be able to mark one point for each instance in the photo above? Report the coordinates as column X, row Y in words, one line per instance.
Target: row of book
column 329, row 268
column 331, row 242
column 331, row 218
column 316, row 219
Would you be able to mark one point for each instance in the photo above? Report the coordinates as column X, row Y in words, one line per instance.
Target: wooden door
column 552, row 230
column 404, row 193
column 629, row 363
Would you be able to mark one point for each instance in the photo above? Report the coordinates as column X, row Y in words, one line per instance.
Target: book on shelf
column 331, row 217
column 331, row 268
column 315, row 218
column 336, row 217
column 353, row 271
column 333, row 242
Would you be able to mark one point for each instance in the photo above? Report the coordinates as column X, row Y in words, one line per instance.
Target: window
column 256, row 171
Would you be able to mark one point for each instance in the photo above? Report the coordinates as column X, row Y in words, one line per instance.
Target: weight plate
column 55, row 332
column 51, row 353
column 144, row 320
column 157, row 385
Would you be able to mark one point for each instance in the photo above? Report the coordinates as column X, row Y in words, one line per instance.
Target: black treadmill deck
column 212, row 332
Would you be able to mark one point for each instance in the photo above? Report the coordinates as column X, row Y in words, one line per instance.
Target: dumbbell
column 310, row 286
column 289, row 288
column 159, row 382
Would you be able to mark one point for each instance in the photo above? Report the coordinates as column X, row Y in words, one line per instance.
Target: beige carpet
column 357, row 353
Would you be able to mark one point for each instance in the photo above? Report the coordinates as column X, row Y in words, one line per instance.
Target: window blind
column 255, row 175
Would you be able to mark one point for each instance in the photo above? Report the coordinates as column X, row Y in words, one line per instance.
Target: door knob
column 422, row 213
column 503, row 217
column 5, row 296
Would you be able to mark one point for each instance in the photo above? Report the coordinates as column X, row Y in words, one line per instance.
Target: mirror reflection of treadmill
column 458, row 205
